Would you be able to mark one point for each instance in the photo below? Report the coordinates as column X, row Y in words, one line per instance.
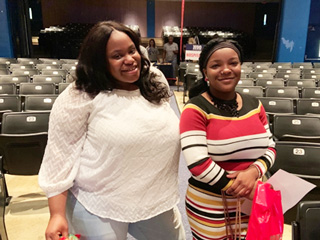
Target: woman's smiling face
column 124, row 61
column 223, row 72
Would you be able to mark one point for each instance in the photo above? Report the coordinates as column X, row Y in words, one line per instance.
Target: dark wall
column 6, row 49
column 238, row 16
column 61, row 12
column 313, row 39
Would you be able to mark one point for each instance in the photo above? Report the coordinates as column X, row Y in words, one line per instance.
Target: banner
column 193, row 52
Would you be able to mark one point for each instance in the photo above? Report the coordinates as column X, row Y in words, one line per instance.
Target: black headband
column 219, row 46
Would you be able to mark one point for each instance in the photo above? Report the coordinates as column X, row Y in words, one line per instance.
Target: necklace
column 229, row 106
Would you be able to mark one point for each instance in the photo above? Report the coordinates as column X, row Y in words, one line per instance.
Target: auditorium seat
column 191, row 76
column 247, row 64
column 45, row 66
column 69, row 61
column 4, row 71
column 14, row 79
column 302, row 160
column 245, row 72
column 273, row 71
column 270, row 82
column 50, row 61
column 279, row 65
column 289, row 70
column 27, row 72
column 62, row 87
column 308, row 106
column 8, row 61
column 300, row 128
column 10, row 102
column 257, row 75
column 8, row 88
column 23, row 140
column 3, row 231
column 312, row 75
column 261, row 65
column 306, row 224
column 21, row 66
column 302, row 65
column 256, row 91
column 311, row 92
column 25, row 122
column 310, row 71
column 316, row 64
column 37, row 88
column 181, row 72
column 282, row 92
column 28, row 60
column 68, row 66
column 70, row 77
column 56, row 79
column 246, row 82
column 274, row 105
column 287, row 76
column 302, row 83
column 59, row 72
column 38, row 102
column 3, row 66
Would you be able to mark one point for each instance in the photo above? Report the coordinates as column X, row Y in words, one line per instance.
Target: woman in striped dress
column 226, row 142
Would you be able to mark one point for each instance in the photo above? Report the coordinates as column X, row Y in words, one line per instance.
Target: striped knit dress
column 215, row 143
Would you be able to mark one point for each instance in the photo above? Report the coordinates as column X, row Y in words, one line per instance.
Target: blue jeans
column 166, row 226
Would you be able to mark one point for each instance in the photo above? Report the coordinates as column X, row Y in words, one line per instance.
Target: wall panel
column 238, row 16
column 60, row 12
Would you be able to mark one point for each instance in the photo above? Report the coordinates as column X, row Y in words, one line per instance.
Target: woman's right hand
column 58, row 226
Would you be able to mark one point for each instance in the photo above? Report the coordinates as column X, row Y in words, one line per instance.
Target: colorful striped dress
column 215, row 143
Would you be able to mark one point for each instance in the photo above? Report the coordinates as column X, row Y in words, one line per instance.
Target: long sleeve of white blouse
column 66, row 136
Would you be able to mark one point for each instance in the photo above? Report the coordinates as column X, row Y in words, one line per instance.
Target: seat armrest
column 1, row 167
column 295, row 233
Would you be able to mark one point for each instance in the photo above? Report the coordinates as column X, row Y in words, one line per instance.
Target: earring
column 207, row 80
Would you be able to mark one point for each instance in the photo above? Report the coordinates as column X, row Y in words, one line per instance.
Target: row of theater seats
column 36, row 67
column 19, row 103
column 23, row 140
column 291, row 99
column 297, row 140
column 28, row 89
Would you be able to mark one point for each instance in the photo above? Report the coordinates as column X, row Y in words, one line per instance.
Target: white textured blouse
column 117, row 153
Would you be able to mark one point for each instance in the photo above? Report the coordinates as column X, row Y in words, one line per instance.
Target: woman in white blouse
column 111, row 162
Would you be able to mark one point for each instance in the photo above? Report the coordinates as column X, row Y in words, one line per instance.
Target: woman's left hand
column 244, row 182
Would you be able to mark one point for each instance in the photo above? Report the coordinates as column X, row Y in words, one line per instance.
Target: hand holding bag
column 266, row 220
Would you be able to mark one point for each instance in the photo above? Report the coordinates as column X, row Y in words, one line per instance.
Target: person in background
column 142, row 48
column 226, row 141
column 170, row 52
column 144, row 52
column 111, row 163
column 153, row 51
column 190, row 41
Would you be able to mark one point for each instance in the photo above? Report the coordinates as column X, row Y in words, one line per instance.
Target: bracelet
column 259, row 172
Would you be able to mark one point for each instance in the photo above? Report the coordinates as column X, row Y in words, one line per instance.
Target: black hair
column 153, row 42
column 92, row 75
column 201, row 86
